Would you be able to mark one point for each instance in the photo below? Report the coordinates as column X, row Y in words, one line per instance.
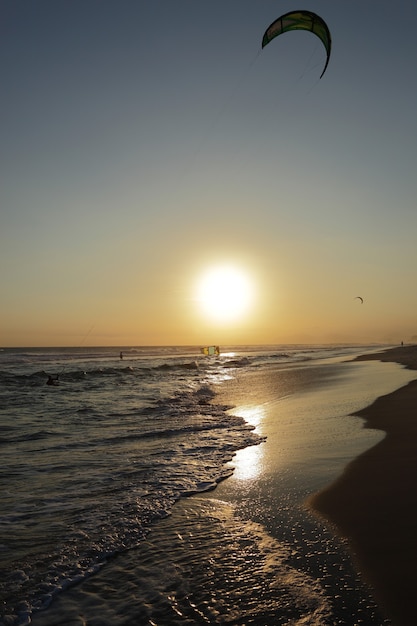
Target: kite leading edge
column 300, row 20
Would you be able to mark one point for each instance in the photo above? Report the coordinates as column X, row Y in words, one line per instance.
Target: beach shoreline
column 265, row 501
column 250, row 547
column 373, row 505
column 296, row 566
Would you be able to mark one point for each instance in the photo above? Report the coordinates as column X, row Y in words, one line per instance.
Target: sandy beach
column 373, row 503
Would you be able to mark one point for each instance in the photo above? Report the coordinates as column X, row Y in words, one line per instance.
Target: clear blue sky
column 143, row 142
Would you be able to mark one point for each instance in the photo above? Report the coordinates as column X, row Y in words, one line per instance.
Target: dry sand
column 374, row 503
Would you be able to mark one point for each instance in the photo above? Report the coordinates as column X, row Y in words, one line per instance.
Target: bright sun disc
column 224, row 293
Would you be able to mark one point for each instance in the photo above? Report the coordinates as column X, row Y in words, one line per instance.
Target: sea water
column 91, row 465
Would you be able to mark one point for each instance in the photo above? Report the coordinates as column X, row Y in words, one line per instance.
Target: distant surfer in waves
column 53, row 380
column 121, row 355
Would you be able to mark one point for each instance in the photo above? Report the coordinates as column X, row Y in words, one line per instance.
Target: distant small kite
column 210, row 350
column 300, row 20
column 359, row 298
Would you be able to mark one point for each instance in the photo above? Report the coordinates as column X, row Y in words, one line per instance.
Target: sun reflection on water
column 254, row 415
column 248, row 462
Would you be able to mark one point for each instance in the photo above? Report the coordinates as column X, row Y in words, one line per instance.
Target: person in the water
column 53, row 380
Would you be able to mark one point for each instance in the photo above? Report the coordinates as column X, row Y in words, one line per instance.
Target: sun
column 224, row 293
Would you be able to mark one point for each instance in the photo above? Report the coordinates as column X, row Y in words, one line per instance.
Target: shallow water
column 203, row 565
column 89, row 467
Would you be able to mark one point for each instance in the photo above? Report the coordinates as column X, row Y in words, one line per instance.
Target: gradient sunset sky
column 144, row 142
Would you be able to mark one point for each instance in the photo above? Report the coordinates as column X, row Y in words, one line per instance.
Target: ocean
column 108, row 505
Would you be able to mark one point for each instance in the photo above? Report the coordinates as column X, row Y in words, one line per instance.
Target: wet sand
column 374, row 502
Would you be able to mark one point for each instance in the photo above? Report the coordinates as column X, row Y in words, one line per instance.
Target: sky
column 145, row 143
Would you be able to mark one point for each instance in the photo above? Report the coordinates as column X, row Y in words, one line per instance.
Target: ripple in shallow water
column 202, row 566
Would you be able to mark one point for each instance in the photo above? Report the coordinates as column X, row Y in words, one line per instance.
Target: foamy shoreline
column 374, row 504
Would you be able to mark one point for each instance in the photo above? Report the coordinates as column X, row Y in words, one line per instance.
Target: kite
column 359, row 298
column 300, row 20
column 210, row 350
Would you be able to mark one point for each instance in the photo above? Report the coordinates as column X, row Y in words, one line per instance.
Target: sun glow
column 224, row 293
